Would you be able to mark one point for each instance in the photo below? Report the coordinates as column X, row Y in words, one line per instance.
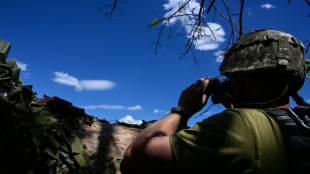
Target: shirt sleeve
column 220, row 143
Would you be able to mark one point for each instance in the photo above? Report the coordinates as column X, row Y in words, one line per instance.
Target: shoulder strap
column 304, row 113
column 297, row 136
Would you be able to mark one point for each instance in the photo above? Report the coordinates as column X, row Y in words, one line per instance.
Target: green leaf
column 170, row 35
column 155, row 22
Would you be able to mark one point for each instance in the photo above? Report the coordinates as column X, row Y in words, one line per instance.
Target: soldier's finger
column 206, row 82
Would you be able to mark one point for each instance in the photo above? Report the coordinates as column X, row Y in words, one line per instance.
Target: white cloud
column 116, row 107
column 219, row 56
column 173, row 6
column 96, row 84
column 137, row 107
column 22, row 66
column 156, row 111
column 104, row 107
column 128, row 119
column 267, row 6
column 66, row 79
column 213, row 34
column 308, row 100
column 249, row 11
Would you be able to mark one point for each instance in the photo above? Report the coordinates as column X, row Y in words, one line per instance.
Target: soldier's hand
column 193, row 98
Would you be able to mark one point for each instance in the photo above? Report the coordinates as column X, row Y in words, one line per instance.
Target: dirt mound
column 62, row 138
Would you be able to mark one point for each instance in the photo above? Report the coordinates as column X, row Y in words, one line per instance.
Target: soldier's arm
column 151, row 150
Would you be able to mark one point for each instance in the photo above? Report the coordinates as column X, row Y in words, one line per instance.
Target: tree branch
column 240, row 18
column 209, row 8
column 219, row 12
column 200, row 11
column 307, row 46
column 113, row 5
column 230, row 21
column 195, row 23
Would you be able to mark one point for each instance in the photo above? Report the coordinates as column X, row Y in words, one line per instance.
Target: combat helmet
column 267, row 51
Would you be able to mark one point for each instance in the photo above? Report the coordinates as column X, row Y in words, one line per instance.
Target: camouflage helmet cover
column 266, row 51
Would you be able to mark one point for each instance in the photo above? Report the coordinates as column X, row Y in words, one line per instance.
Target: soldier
column 263, row 69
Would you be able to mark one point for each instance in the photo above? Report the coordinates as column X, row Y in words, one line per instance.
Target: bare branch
column 228, row 43
column 307, row 48
column 230, row 21
column 120, row 10
column 165, row 21
column 193, row 54
column 200, row 11
column 195, row 59
column 158, row 38
column 113, row 5
column 219, row 12
column 307, row 1
column 209, row 8
column 197, row 24
column 240, row 18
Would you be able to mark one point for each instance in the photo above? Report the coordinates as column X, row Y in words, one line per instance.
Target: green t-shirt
column 234, row 141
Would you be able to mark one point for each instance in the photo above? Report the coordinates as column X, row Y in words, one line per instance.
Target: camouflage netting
column 50, row 135
column 35, row 136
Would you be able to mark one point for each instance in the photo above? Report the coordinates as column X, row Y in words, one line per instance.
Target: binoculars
column 216, row 89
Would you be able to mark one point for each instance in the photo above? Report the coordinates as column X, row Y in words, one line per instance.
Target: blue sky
column 72, row 50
